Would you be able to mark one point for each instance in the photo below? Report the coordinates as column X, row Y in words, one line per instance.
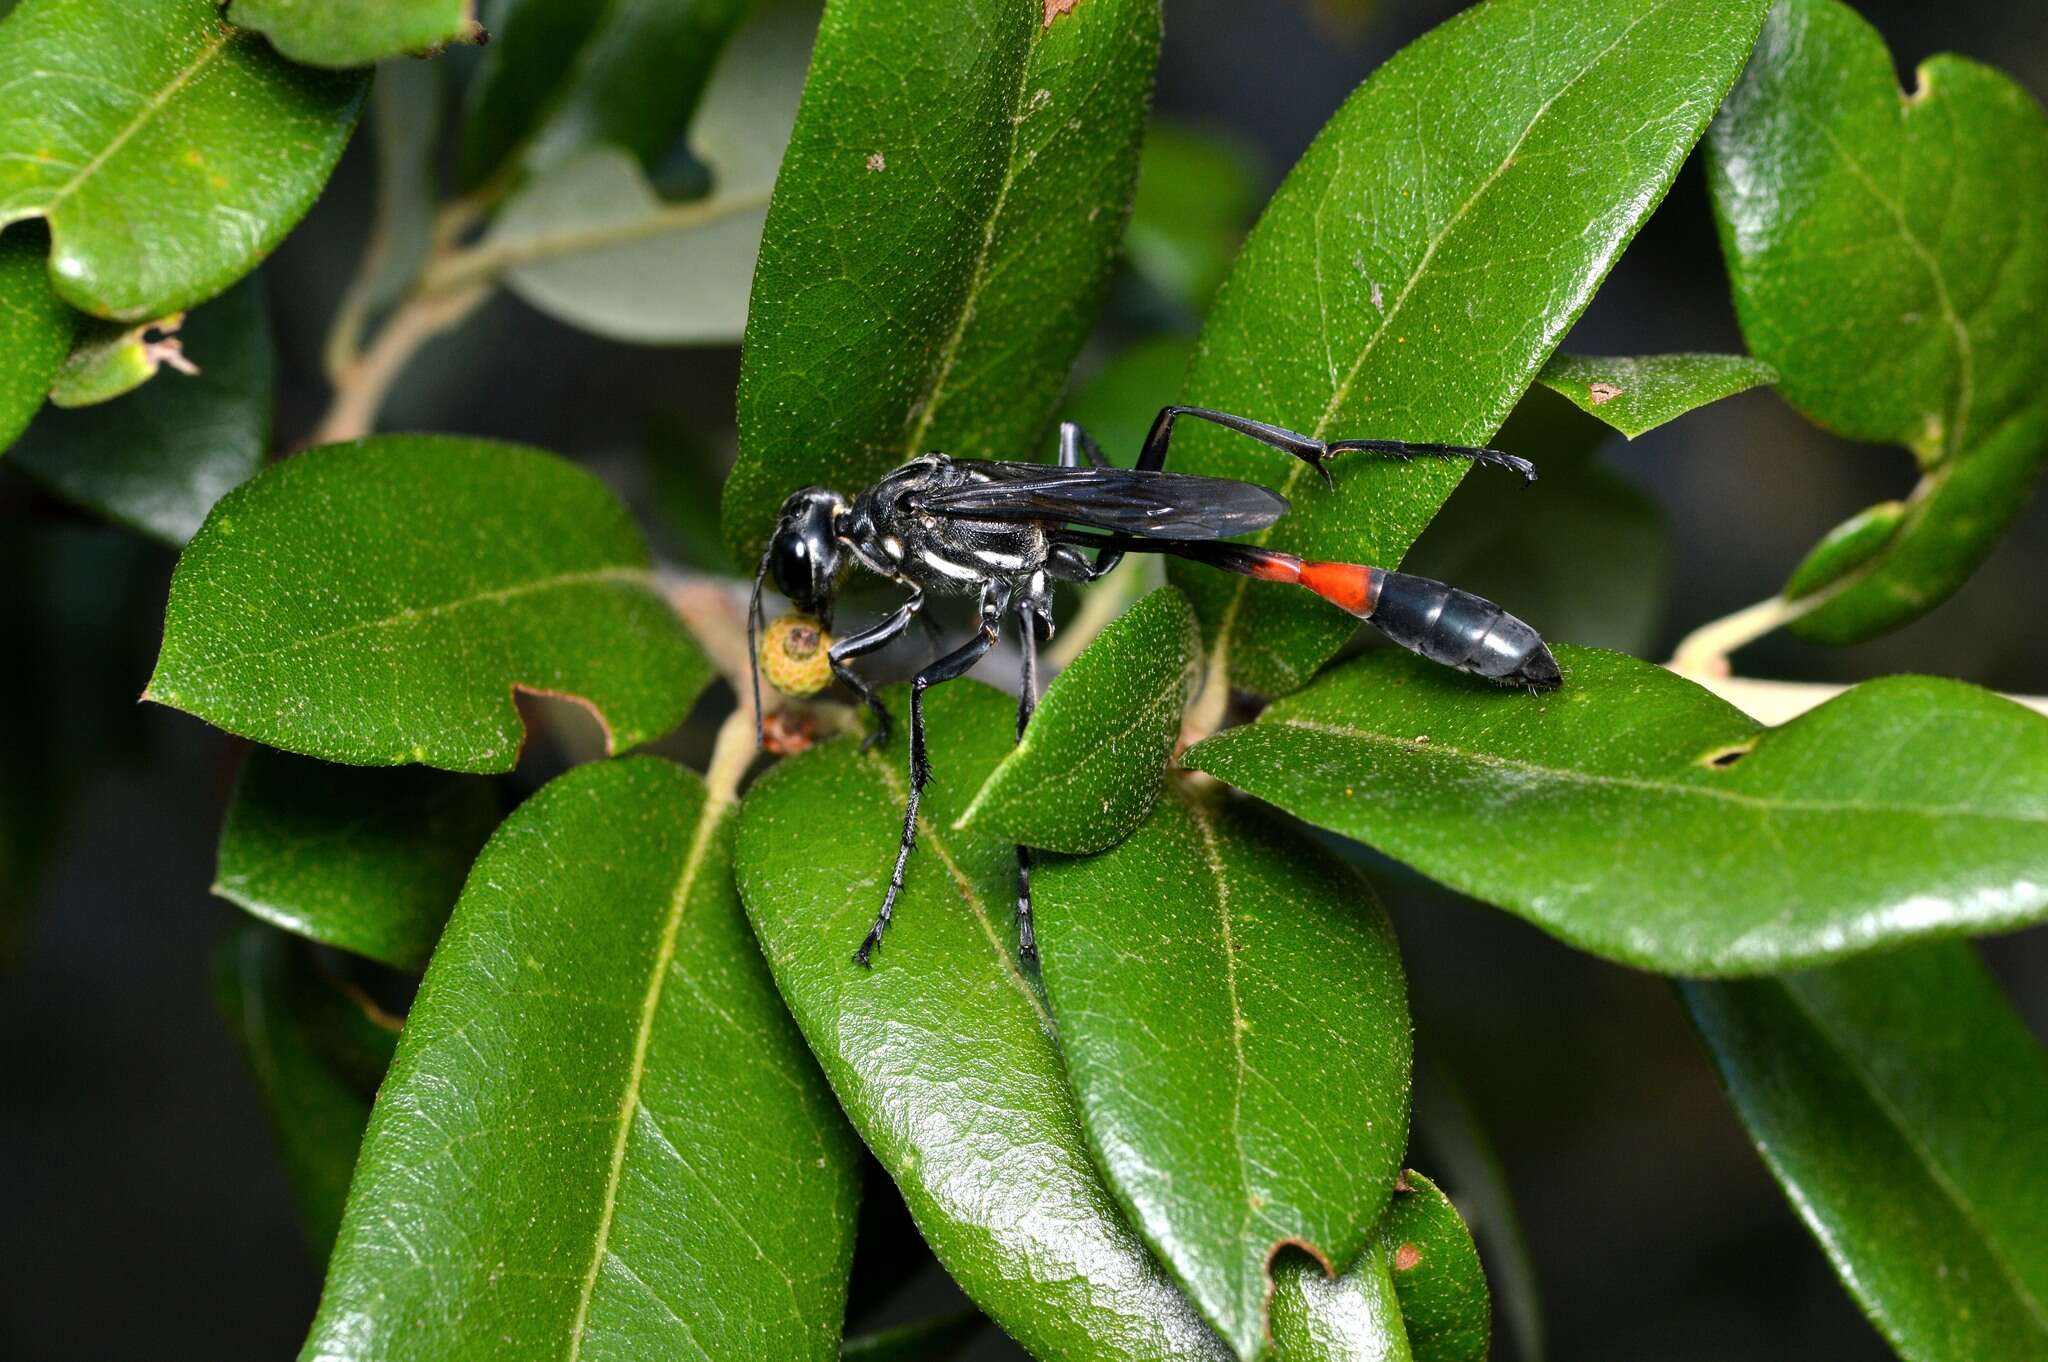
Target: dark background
column 145, row 1211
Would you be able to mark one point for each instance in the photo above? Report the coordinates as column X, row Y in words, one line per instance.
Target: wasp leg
column 1034, row 613
column 1076, row 445
column 1313, row 452
column 866, row 641
column 995, row 598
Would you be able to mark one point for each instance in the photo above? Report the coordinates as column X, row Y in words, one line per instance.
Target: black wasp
column 1008, row 531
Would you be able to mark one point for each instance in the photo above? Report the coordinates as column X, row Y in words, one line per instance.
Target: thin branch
column 364, row 382
column 487, row 262
column 1704, row 651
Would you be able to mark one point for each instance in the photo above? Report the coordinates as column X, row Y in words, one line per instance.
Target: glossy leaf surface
column 35, row 331
column 600, row 1138
column 1232, row 1010
column 1090, row 765
column 564, row 75
column 1420, row 262
column 1890, row 258
column 357, row 32
column 284, row 1011
column 1903, row 1106
column 1352, row 1318
column 1635, row 815
column 936, row 247
column 157, row 459
column 943, row 1054
column 370, row 861
column 1438, row 1282
column 1639, row 393
column 122, row 115
column 379, row 602
column 593, row 244
column 1582, row 554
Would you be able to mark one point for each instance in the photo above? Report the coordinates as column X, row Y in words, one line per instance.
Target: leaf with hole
column 943, row 1054
column 1231, row 1006
column 600, row 1136
column 1582, row 554
column 323, row 33
column 1090, row 765
column 300, row 1032
column 591, row 243
column 562, row 76
column 1903, row 1106
column 1637, row 816
column 1889, row 258
column 370, row 861
column 35, row 331
column 1445, row 1308
column 168, row 151
column 380, row 602
column 1420, row 262
column 1635, row 394
column 157, row 459
column 936, row 247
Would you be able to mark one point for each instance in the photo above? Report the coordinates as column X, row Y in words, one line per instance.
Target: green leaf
column 289, row 1016
column 380, row 602
column 600, row 1136
column 1352, row 1318
column 111, row 359
column 1418, row 265
column 936, row 247
column 168, row 151
column 1903, row 1106
column 1197, row 194
column 943, row 1054
column 564, row 75
column 1090, row 766
column 1635, row 815
column 1230, row 1003
column 1583, row 554
column 1454, row 1137
column 358, row 32
column 1437, row 1278
column 1890, row 259
column 370, row 861
column 35, row 330
column 156, row 460
column 590, row 242
column 1638, row 394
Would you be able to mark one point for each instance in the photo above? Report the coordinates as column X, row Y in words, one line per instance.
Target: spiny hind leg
column 1311, row 451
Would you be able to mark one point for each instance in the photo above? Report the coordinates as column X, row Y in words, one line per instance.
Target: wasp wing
column 1135, row 501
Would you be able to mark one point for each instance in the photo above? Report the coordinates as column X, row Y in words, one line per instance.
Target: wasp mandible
column 1007, row 531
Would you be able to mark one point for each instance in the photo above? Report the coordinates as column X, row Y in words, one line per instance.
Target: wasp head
column 805, row 555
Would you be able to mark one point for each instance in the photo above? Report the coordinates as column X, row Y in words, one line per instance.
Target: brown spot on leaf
column 1055, row 8
column 1722, row 758
column 1406, row 1257
column 878, row 162
column 1602, row 393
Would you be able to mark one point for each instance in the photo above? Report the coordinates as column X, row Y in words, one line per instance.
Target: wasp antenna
column 754, row 646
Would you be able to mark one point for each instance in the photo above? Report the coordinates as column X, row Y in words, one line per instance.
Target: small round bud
column 794, row 655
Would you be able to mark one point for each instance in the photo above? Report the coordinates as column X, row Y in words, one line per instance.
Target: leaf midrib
column 1228, row 626
column 713, row 810
column 416, row 614
column 207, row 52
column 1867, row 1081
column 977, row 281
column 1435, row 749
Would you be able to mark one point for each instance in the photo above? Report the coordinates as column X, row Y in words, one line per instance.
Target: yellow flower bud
column 793, row 655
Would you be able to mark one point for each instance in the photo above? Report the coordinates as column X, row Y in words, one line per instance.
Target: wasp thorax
column 795, row 655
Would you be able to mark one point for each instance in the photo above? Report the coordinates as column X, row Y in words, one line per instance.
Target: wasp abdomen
column 1461, row 630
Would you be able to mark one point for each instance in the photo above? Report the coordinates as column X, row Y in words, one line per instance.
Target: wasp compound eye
column 791, row 564
column 795, row 655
